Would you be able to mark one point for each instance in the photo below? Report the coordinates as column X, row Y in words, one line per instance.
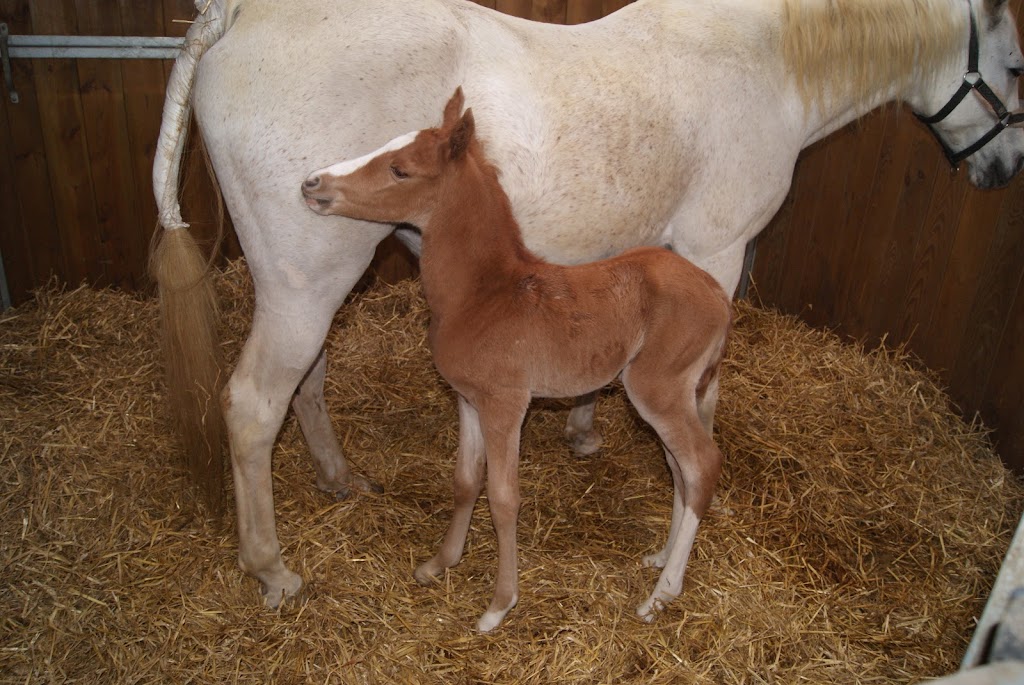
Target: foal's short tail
column 188, row 306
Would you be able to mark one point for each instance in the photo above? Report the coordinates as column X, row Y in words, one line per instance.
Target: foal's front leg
column 469, row 479
column 502, row 423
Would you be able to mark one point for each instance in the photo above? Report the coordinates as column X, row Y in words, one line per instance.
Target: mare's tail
column 188, row 305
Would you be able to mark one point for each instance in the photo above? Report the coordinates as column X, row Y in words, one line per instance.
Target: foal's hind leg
column 670, row 406
column 332, row 470
column 579, row 428
column 706, row 410
column 469, row 479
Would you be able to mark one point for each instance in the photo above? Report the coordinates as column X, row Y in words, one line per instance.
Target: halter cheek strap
column 972, row 82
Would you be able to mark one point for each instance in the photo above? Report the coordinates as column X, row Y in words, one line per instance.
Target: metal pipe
column 90, row 47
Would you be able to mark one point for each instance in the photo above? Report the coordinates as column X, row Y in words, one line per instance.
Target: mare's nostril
column 311, row 182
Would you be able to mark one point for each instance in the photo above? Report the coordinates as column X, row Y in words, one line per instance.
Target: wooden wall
column 876, row 240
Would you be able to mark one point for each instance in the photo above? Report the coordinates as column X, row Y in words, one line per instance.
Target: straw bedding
column 856, row 531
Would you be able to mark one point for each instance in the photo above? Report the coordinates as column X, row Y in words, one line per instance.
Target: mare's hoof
column 343, row 491
column 279, row 590
column 366, row 485
column 586, row 443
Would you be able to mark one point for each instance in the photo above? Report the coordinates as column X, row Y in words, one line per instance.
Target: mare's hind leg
column 670, row 406
column 332, row 471
column 280, row 349
column 579, row 428
column 469, row 479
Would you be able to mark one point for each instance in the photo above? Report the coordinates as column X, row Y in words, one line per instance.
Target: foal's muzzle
column 316, row 198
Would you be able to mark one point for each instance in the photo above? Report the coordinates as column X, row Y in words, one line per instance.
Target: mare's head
column 402, row 181
column 969, row 121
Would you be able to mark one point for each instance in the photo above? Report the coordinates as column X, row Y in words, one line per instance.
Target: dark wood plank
column 115, row 188
column 868, row 137
column 959, row 286
column 874, row 254
column 580, row 11
column 997, row 284
column 517, row 8
column 806, row 187
column 931, row 255
column 61, row 118
column 772, row 243
column 893, row 278
column 549, row 11
column 1003, row 405
column 144, row 82
column 609, row 6
column 30, row 246
column 812, row 281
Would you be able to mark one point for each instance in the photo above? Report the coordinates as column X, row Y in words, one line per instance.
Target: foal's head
column 400, row 182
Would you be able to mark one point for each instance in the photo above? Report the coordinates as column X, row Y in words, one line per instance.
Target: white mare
column 668, row 122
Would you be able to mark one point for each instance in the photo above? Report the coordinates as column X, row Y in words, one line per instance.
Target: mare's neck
column 472, row 245
column 863, row 69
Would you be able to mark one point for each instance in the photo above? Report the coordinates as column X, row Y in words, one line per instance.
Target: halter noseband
column 973, row 82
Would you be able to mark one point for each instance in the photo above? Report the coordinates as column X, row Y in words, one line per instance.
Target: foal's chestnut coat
column 507, row 326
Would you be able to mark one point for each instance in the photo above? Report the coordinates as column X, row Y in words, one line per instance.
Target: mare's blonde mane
column 851, row 48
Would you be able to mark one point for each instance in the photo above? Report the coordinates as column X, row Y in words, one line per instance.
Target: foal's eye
column 398, row 173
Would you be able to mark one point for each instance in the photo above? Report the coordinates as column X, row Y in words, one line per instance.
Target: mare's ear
column 453, row 109
column 461, row 136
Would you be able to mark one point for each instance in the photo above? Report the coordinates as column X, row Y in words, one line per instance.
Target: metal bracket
column 6, row 57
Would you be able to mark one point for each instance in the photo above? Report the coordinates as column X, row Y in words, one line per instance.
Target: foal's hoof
column 284, row 587
column 425, row 574
column 586, row 443
column 655, row 560
column 649, row 609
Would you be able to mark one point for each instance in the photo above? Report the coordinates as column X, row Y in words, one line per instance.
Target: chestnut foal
column 506, row 326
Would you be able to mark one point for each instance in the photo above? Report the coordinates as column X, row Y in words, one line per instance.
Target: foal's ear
column 461, row 136
column 454, row 108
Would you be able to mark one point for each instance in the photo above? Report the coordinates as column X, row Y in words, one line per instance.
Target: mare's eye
column 398, row 173
column 1016, row 72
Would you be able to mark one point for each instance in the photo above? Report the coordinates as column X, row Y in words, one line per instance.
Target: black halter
column 973, row 82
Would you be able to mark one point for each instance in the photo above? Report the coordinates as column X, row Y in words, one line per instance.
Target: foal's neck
column 472, row 245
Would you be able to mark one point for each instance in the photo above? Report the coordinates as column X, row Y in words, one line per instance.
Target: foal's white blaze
column 348, row 166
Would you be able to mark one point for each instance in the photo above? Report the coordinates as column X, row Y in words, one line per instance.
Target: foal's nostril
column 311, row 182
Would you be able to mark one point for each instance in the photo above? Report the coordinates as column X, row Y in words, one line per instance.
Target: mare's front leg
column 332, row 471
column 579, row 428
column 280, row 349
column 502, row 421
column 469, row 479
